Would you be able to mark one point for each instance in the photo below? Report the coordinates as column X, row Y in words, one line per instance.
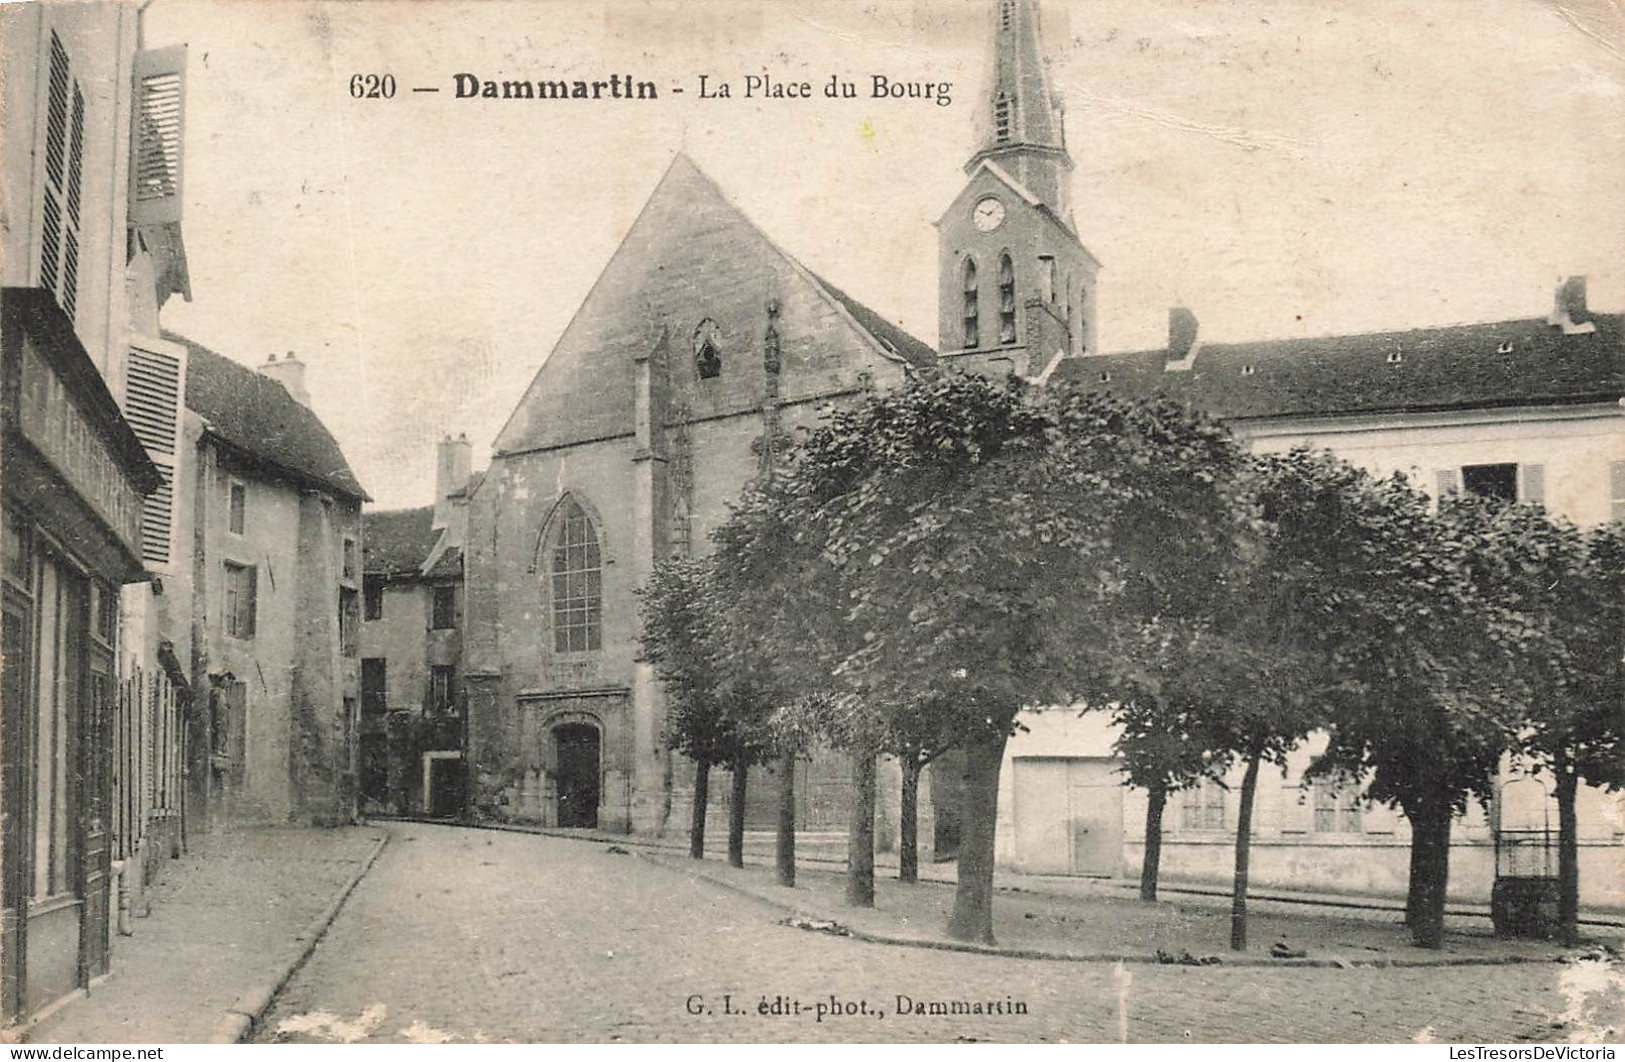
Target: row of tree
column 934, row 559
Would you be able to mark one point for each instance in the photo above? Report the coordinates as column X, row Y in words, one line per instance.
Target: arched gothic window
column 575, row 573
column 707, row 352
column 1007, row 300
column 972, row 312
column 1004, row 110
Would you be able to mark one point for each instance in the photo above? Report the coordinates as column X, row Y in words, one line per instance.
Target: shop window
column 443, row 608
column 57, row 692
column 241, row 588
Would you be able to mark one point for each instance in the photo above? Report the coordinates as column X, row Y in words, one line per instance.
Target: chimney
column 1183, row 338
column 453, row 462
column 290, row 373
column 1569, row 308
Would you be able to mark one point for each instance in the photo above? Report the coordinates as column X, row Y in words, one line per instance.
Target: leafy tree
column 1430, row 702
column 713, row 715
column 1566, row 592
column 988, row 539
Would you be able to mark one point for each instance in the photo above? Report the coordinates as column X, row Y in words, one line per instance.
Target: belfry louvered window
column 1007, row 300
column 1004, row 110
column 973, row 329
column 64, row 180
column 153, row 383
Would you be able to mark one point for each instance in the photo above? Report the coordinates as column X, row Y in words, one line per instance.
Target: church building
column 701, row 347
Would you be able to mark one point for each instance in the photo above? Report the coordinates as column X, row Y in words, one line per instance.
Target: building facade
column 412, row 703
column 90, row 173
column 700, row 348
column 1527, row 410
column 261, row 600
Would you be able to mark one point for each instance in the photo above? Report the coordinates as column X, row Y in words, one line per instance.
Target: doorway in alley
column 576, row 747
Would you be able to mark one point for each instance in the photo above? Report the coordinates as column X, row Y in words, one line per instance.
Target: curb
column 1248, row 961
column 1608, row 920
column 239, row 1020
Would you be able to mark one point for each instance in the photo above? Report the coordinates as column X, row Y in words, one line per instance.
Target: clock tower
column 1016, row 287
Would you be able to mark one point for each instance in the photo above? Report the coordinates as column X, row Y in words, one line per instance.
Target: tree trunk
column 787, row 821
column 702, row 796
column 1568, row 855
column 736, row 816
column 1156, row 801
column 908, row 850
column 972, row 918
column 860, row 831
column 1430, row 827
column 1244, row 840
column 1413, row 884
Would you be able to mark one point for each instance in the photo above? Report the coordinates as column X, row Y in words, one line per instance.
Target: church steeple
column 1019, row 123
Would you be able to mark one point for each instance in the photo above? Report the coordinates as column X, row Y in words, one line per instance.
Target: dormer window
column 707, row 352
column 1007, row 300
column 972, row 312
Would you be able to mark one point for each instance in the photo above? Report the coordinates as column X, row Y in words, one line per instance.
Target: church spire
column 1019, row 123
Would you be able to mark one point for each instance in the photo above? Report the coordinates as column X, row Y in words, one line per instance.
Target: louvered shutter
column 1532, row 484
column 154, row 383
column 157, row 139
column 64, row 180
column 1449, row 481
column 1616, row 489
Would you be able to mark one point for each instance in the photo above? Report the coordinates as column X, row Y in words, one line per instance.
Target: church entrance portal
column 577, row 748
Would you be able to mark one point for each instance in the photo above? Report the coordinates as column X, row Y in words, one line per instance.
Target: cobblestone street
column 469, row 935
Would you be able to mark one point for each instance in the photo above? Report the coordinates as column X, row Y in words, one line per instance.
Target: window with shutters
column 1337, row 807
column 241, row 581
column 1007, row 300
column 349, row 621
column 60, row 212
column 157, row 137
column 972, row 308
column 1616, row 489
column 153, row 384
column 1491, row 481
column 347, row 565
column 372, row 603
column 1201, row 806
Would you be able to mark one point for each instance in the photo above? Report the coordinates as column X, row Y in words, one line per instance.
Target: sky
column 1281, row 167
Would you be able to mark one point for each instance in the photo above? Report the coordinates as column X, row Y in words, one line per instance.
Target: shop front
column 74, row 477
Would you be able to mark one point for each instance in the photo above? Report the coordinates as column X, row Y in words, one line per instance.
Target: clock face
column 988, row 214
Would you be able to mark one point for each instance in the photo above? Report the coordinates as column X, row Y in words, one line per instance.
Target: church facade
column 701, row 347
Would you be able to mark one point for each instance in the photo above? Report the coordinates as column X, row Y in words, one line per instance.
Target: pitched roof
column 1496, row 364
column 690, row 244
column 916, row 352
column 256, row 415
column 396, row 542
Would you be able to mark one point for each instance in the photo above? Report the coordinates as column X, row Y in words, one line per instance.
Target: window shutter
column 1449, row 481
column 1616, row 488
column 158, row 137
column 153, row 384
column 1532, row 484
